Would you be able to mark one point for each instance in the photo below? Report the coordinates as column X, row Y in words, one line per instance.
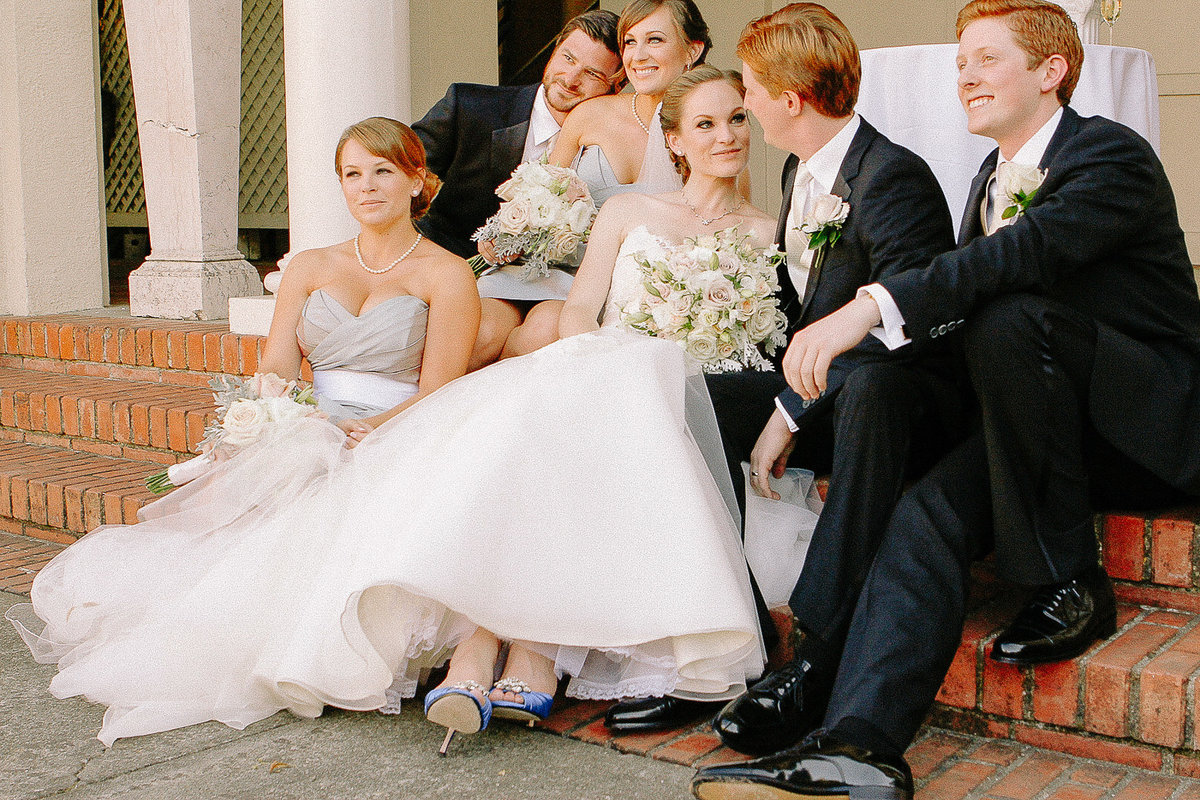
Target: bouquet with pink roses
column 546, row 214
column 716, row 297
column 245, row 409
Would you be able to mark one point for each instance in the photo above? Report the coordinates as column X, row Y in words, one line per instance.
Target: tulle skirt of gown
column 557, row 499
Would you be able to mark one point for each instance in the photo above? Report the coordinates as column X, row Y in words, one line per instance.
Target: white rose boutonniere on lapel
column 823, row 224
column 1018, row 184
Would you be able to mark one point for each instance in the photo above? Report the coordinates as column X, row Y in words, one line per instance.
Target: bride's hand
column 356, row 430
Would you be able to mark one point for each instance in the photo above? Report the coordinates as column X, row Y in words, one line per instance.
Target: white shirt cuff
column 891, row 332
column 791, row 423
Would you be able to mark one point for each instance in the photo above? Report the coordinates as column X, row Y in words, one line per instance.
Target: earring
column 416, row 192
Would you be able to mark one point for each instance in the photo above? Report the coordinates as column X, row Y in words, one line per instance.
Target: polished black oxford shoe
column 1060, row 622
column 822, row 767
column 776, row 712
column 656, row 713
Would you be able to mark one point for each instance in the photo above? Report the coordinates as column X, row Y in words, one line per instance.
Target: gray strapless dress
column 363, row 364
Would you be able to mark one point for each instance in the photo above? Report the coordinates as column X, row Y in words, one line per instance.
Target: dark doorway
column 526, row 32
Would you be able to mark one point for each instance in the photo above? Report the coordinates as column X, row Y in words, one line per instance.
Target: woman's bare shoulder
column 596, row 111
column 441, row 269
column 316, row 267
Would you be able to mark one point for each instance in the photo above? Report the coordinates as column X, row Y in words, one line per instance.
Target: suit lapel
column 972, row 223
column 787, row 292
column 843, row 188
column 788, row 183
column 508, row 143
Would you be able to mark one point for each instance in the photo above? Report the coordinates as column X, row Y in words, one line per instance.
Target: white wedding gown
column 559, row 499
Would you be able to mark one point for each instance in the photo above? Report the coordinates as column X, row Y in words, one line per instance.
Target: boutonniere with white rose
column 1018, row 184
column 823, row 222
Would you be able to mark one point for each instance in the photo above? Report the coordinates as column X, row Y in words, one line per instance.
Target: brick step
column 1131, row 698
column 1152, row 556
column 142, row 420
column 152, row 350
column 57, row 495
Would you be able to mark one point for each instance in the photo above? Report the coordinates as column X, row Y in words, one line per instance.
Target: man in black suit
column 477, row 135
column 1074, row 297
column 889, row 415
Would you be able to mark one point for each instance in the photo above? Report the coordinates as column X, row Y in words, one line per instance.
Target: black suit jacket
column 898, row 221
column 474, row 138
column 1101, row 236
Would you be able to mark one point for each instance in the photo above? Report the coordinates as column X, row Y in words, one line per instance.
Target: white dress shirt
column 891, row 330
column 543, row 129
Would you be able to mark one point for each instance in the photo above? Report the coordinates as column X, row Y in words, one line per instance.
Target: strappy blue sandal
column 457, row 710
column 534, row 708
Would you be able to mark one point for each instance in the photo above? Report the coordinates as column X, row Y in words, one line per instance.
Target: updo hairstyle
column 671, row 114
column 386, row 138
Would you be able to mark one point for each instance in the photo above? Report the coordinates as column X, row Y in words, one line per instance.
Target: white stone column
column 343, row 62
column 185, row 56
column 52, row 239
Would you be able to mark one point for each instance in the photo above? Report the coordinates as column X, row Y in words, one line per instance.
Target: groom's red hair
column 805, row 48
column 1041, row 29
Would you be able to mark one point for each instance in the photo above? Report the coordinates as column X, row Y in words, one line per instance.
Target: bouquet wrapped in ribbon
column 246, row 407
column 715, row 296
column 546, row 214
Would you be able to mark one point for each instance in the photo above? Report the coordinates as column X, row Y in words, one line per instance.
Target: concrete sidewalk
column 48, row 746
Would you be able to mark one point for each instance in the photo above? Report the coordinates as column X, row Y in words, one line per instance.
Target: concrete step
column 109, row 416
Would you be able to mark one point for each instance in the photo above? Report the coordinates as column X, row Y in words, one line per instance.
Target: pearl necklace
column 706, row 222
column 633, row 105
column 406, row 254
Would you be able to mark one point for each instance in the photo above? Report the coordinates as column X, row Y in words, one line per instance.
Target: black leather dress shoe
column 656, row 713
column 776, row 712
column 821, row 768
column 1060, row 622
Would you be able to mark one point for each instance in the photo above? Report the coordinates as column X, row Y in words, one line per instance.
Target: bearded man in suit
column 1075, row 299
column 888, row 416
column 476, row 136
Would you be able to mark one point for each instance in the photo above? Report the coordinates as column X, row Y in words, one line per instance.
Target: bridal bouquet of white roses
column 715, row 296
column 546, row 214
column 245, row 409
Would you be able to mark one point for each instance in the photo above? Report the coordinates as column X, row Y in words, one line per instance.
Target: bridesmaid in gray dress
column 343, row 305
column 616, row 141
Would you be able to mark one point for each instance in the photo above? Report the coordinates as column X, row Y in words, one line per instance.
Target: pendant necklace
column 706, row 222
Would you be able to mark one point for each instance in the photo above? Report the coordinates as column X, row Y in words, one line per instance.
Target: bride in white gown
column 569, row 501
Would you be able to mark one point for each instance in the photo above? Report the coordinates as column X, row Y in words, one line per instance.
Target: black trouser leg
column 908, row 620
column 1030, row 360
column 881, row 411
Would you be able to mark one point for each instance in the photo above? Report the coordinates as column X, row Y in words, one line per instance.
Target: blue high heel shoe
column 458, row 710
column 534, row 708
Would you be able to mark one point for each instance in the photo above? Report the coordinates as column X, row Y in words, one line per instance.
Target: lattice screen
column 263, row 193
column 263, row 179
column 123, row 175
